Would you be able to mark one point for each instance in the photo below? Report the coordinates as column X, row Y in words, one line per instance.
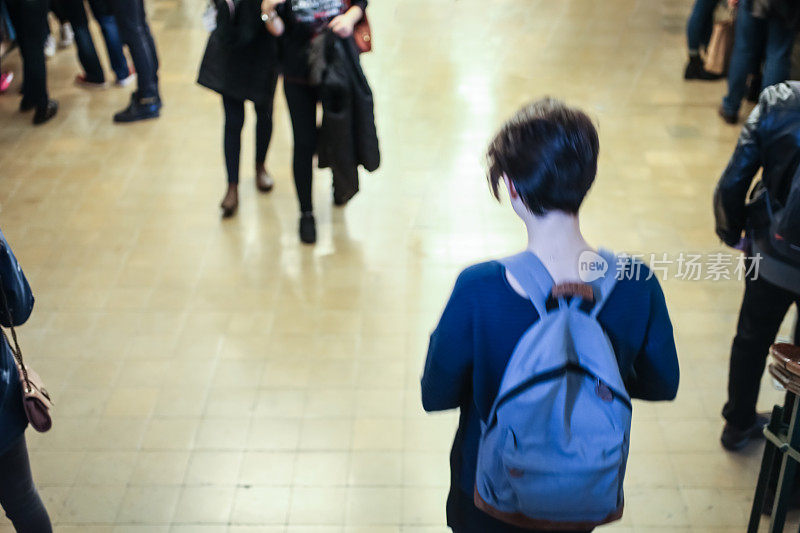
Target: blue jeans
column 701, row 22
column 755, row 36
column 18, row 495
column 87, row 54
column 135, row 32
column 6, row 19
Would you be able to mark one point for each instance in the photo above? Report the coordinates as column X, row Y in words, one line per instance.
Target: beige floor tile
column 374, row 506
column 210, row 505
column 274, row 434
column 106, row 468
column 150, row 504
column 170, row 434
column 56, row 468
column 320, row 469
column 160, row 468
column 267, row 468
column 92, row 504
column 319, row 434
column 222, row 434
column 376, row 469
column 261, row 505
column 213, row 468
column 656, row 508
column 378, row 434
column 423, row 506
column 317, row 506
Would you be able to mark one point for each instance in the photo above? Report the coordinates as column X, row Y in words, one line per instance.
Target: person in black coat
column 770, row 142
column 297, row 23
column 240, row 63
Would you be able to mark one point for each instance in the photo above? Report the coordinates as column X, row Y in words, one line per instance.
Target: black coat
column 769, row 215
column 770, row 140
column 348, row 137
column 241, row 56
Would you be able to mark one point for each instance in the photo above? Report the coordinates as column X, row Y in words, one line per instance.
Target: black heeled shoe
column 45, row 113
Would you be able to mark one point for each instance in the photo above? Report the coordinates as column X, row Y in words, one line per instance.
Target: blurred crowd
column 28, row 25
column 751, row 43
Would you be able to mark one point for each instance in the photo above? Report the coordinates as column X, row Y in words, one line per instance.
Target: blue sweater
column 484, row 320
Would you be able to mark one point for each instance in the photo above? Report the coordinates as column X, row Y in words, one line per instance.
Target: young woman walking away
column 18, row 495
column 240, row 63
column 546, row 157
column 298, row 22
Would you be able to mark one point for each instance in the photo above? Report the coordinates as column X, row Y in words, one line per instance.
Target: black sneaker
column 730, row 118
column 696, row 70
column 140, row 109
column 734, row 439
column 45, row 112
column 308, row 228
column 754, row 88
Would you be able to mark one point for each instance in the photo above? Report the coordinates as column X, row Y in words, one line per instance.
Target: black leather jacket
column 770, row 140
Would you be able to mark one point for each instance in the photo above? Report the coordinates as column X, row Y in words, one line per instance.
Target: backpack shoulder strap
column 532, row 276
column 609, row 281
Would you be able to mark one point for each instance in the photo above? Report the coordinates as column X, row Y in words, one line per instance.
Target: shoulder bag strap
column 15, row 349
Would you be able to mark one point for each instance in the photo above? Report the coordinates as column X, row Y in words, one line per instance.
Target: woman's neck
column 556, row 239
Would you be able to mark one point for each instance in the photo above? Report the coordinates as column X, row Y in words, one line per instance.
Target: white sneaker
column 67, row 36
column 50, row 46
column 124, row 82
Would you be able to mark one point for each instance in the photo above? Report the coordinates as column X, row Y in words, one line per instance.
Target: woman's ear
column 512, row 191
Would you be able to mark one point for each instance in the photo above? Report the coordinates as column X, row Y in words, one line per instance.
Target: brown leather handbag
column 362, row 32
column 35, row 398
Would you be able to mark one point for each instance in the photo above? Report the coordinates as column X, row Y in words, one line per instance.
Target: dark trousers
column 302, row 101
column 57, row 7
column 29, row 18
column 763, row 309
column 234, row 122
column 135, row 32
column 464, row 517
column 87, row 54
column 18, row 495
column 757, row 38
column 700, row 24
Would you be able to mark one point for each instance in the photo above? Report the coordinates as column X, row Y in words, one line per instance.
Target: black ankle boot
column 139, row 109
column 308, row 228
column 696, row 70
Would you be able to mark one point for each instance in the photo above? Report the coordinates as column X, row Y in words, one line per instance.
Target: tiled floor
column 217, row 376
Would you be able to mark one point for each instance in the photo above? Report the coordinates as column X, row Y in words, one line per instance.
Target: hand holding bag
column 362, row 32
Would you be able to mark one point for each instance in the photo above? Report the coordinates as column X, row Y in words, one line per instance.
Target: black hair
column 549, row 152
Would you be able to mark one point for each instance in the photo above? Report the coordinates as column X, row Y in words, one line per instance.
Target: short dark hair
column 549, row 152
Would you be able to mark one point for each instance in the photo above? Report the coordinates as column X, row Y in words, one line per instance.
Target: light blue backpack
column 553, row 450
